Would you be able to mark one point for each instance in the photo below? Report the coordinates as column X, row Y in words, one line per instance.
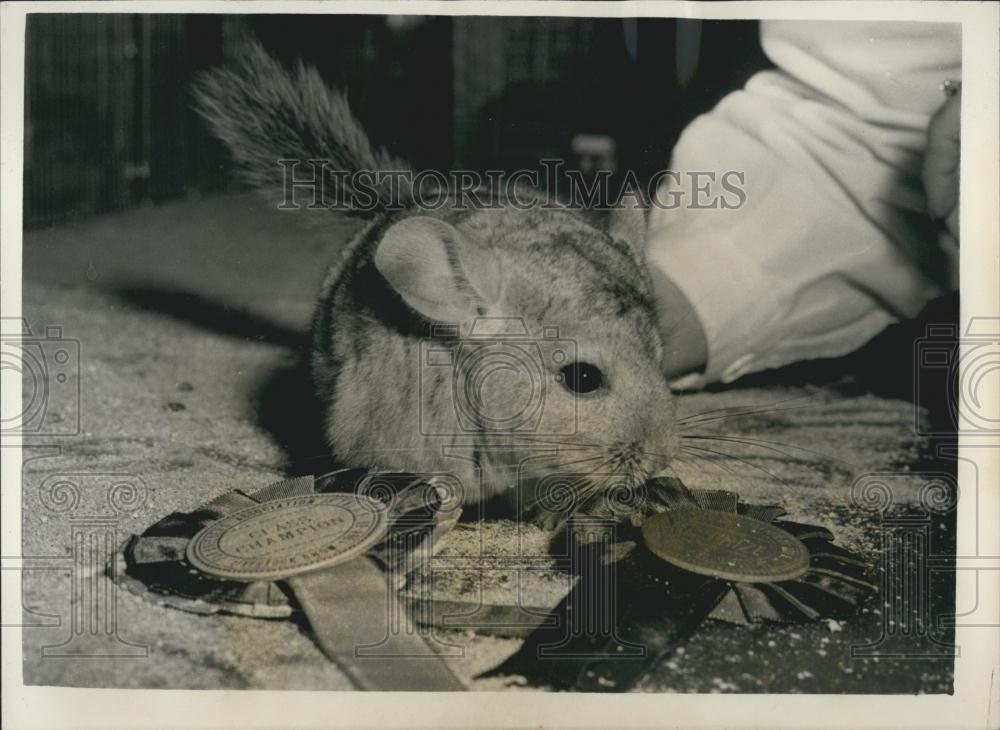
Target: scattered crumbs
column 605, row 682
column 771, row 643
column 804, row 674
column 680, row 650
column 825, row 639
column 834, row 625
column 821, row 652
column 723, row 685
column 672, row 665
column 796, row 637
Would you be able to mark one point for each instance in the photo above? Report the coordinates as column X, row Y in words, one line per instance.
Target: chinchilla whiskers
column 608, row 482
column 723, row 455
column 587, row 487
column 679, row 460
column 581, row 472
column 697, row 461
column 768, row 445
column 595, row 487
column 698, row 467
column 624, row 471
column 595, row 462
column 621, row 472
column 687, row 425
column 749, row 406
column 556, row 441
column 699, row 419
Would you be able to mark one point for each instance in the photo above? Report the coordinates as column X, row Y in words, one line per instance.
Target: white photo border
column 974, row 703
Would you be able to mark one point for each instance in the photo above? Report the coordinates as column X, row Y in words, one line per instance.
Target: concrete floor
column 190, row 318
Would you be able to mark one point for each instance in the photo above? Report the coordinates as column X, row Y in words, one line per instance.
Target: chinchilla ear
column 627, row 222
column 437, row 270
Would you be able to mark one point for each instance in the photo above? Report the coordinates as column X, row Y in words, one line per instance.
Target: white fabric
column 834, row 241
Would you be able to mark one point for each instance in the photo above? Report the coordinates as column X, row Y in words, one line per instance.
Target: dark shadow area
column 110, row 130
column 211, row 315
column 894, row 364
column 286, row 404
column 288, row 409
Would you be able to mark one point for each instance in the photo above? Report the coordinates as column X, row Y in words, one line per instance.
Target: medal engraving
column 283, row 537
column 725, row 545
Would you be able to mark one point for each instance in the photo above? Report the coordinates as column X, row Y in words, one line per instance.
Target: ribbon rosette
column 321, row 545
column 155, row 566
column 700, row 554
column 830, row 584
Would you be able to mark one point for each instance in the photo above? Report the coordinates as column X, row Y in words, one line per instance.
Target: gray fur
column 550, row 268
column 265, row 113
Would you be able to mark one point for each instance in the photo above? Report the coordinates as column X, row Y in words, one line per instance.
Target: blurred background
column 108, row 123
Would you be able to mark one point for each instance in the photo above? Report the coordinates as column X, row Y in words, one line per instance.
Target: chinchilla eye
column 582, row 377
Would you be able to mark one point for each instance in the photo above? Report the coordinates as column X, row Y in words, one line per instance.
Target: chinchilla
column 515, row 347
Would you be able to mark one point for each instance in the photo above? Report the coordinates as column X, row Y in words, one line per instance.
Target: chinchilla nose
column 639, row 460
column 656, row 440
column 654, row 461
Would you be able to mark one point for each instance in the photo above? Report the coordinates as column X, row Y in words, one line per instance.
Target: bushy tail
column 264, row 113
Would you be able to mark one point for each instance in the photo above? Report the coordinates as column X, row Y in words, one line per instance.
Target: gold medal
column 284, row 537
column 328, row 550
column 725, row 545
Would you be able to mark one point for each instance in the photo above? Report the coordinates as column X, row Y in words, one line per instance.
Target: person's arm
column 834, row 240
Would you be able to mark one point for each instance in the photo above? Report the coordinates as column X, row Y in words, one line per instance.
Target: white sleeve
column 833, row 241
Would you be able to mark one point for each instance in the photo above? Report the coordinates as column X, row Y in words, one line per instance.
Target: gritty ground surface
column 189, row 318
